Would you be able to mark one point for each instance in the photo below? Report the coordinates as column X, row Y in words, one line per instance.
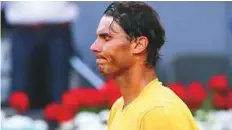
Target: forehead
column 106, row 25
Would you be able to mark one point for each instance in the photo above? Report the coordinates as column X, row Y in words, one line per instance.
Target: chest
column 126, row 121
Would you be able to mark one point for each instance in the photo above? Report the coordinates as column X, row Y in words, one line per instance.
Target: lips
column 100, row 61
column 100, row 57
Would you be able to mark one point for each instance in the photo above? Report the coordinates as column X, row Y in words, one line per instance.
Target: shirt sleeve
column 161, row 118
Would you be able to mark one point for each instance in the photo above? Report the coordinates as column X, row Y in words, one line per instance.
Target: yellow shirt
column 156, row 108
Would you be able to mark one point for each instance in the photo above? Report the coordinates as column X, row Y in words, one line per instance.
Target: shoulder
column 166, row 110
column 160, row 95
column 168, row 116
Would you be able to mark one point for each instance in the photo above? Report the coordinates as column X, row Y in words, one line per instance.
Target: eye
column 107, row 38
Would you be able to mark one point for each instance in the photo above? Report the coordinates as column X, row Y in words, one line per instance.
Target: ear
column 139, row 45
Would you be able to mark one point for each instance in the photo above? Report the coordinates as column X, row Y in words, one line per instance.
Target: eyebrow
column 104, row 34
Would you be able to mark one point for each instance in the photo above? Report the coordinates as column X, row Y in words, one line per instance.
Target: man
column 129, row 37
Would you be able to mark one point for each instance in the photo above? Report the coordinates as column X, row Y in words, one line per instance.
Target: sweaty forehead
column 105, row 25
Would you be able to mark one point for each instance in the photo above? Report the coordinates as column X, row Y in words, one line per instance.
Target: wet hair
column 139, row 19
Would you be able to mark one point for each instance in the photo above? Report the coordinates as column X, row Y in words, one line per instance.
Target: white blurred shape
column 92, row 126
column 104, row 115
column 200, row 124
column 2, row 115
column 217, row 126
column 86, row 118
column 69, row 125
column 199, row 114
column 18, row 122
column 40, row 125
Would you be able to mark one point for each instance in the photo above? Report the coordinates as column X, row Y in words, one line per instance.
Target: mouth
column 100, row 60
column 100, row 57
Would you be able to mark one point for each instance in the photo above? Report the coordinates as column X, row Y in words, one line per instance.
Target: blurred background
column 46, row 62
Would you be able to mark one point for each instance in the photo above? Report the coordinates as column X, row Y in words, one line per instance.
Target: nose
column 95, row 47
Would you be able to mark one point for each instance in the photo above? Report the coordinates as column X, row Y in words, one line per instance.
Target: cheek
column 123, row 57
column 119, row 55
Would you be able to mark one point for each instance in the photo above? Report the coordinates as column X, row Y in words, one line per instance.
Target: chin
column 108, row 71
column 107, row 75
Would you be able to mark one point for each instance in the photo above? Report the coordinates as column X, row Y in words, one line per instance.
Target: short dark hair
column 139, row 19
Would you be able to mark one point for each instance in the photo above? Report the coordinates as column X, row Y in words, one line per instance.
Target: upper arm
column 166, row 118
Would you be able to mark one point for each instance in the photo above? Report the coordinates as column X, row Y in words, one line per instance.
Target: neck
column 133, row 81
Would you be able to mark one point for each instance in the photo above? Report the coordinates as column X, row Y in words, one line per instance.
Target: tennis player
column 129, row 37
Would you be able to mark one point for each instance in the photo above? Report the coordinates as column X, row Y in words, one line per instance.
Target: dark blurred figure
column 41, row 48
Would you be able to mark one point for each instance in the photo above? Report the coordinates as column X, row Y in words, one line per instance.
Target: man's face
column 112, row 48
